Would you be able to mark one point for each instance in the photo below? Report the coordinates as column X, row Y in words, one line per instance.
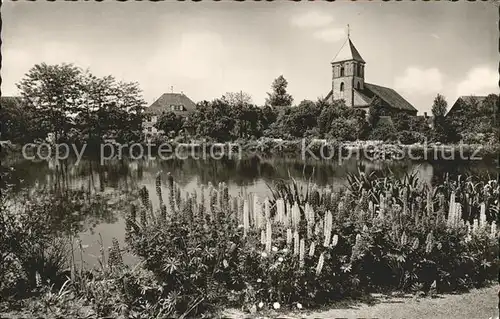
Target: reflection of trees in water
column 80, row 194
column 464, row 168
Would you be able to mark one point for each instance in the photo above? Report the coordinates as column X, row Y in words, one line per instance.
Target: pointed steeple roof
column 348, row 52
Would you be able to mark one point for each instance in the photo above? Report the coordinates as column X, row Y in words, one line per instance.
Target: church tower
column 348, row 73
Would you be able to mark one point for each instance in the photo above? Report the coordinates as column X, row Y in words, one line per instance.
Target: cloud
column 420, row 81
column 479, row 81
column 330, row 34
column 312, row 19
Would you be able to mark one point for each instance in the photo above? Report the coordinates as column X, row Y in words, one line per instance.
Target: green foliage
column 222, row 121
column 76, row 105
column 444, row 130
column 169, row 122
column 279, row 96
column 384, row 130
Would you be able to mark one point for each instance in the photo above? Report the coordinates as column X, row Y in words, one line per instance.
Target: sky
column 205, row 49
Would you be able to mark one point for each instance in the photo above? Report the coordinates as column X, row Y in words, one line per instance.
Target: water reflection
column 252, row 174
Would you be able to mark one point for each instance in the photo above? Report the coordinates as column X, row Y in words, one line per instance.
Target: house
column 464, row 103
column 178, row 103
column 348, row 84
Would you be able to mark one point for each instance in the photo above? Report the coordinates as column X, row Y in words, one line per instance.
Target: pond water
column 252, row 174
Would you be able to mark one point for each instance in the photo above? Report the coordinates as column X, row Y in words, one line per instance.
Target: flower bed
column 306, row 250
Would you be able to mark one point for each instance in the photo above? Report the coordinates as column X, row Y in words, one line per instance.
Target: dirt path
column 477, row 304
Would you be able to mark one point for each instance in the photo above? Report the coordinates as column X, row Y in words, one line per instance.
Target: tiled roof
column 365, row 100
column 348, row 52
column 390, row 97
column 164, row 102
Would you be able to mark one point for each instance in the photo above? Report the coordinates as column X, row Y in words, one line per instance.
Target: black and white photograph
column 249, row 159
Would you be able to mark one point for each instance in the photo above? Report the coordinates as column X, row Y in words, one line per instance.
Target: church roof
column 390, row 96
column 387, row 95
column 163, row 103
column 347, row 52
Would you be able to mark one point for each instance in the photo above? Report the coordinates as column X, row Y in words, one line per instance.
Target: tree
column 109, row 108
column 384, row 130
column 170, row 122
column 444, row 131
column 54, row 91
column 341, row 122
column 237, row 98
column 17, row 121
column 279, row 96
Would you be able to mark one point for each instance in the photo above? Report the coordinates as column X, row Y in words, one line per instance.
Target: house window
column 358, row 86
column 172, row 107
column 342, row 71
column 342, row 87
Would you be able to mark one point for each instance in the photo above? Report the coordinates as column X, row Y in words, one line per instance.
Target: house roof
column 347, row 52
column 163, row 103
column 469, row 100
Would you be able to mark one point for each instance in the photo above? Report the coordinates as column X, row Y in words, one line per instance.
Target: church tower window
column 342, row 71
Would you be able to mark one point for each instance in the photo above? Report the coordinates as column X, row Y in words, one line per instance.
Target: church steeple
column 347, row 72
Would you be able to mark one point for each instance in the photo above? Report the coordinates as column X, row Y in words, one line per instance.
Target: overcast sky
column 208, row 48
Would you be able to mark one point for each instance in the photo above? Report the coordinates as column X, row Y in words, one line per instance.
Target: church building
column 348, row 84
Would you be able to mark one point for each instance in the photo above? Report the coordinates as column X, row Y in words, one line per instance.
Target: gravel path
column 477, row 304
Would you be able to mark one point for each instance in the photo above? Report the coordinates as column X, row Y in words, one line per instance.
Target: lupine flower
column 299, row 305
column 280, row 259
column 311, row 249
column 335, row 240
column 289, row 236
column 259, row 280
column 275, row 249
column 264, row 254
column 415, row 244
column 285, row 250
column 319, row 267
column 358, row 239
column 365, row 228
column 404, row 239
column 302, row 251
column 261, row 304
column 493, row 231
column 475, row 226
column 276, row 305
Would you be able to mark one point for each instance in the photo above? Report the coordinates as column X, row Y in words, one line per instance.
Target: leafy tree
column 76, row 104
column 170, row 122
column 279, row 96
column 384, row 130
column 109, row 109
column 341, row 122
column 237, row 98
column 17, row 121
column 54, row 91
column 444, row 131
column 295, row 122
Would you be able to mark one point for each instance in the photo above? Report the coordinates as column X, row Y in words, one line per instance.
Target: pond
column 252, row 174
